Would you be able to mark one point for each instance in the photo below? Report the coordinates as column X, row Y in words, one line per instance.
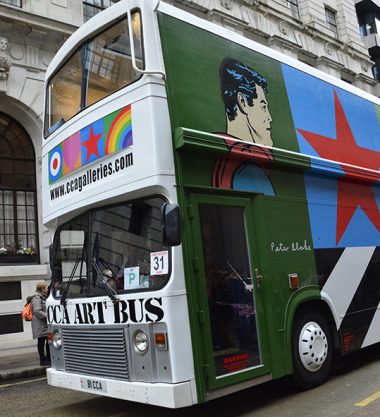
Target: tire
column 312, row 349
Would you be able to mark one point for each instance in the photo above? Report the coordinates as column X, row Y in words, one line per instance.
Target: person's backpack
column 27, row 312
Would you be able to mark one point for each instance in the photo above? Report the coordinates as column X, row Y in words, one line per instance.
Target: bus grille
column 99, row 352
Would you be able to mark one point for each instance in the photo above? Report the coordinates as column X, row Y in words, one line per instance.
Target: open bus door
column 232, row 333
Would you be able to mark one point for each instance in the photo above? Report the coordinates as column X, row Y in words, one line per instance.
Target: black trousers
column 42, row 344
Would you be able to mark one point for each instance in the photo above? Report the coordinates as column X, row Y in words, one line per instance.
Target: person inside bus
column 111, row 280
column 244, row 93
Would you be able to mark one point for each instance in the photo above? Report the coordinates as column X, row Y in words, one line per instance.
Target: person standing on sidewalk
column 39, row 322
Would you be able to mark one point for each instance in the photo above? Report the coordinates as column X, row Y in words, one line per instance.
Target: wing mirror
column 171, row 224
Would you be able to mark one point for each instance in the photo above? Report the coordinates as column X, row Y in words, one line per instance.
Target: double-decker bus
column 213, row 208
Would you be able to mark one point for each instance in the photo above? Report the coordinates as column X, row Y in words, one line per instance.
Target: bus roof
column 103, row 19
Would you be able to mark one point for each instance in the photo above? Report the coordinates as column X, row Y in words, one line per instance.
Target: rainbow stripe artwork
column 103, row 137
column 120, row 133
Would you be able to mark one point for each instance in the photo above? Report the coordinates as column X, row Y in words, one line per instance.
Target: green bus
column 213, row 207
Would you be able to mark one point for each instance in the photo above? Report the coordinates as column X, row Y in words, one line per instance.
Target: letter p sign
column 132, row 278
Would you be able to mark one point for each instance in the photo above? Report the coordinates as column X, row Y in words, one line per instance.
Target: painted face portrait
column 259, row 119
column 244, row 95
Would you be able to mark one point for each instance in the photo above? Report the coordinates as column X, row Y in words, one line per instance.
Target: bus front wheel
column 312, row 349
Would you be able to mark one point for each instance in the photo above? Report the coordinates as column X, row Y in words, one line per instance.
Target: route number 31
column 159, row 263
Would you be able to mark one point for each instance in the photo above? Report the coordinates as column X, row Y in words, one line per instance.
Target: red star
column 92, row 144
column 344, row 150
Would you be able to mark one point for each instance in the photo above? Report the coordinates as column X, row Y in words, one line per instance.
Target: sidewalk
column 19, row 364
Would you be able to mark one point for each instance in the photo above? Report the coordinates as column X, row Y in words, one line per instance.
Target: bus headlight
column 57, row 340
column 140, row 342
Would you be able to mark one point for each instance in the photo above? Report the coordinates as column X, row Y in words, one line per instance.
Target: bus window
column 108, row 60
column 229, row 286
column 99, row 67
column 69, row 266
column 125, row 239
column 65, row 91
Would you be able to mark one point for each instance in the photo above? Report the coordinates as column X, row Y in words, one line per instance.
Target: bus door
column 232, row 338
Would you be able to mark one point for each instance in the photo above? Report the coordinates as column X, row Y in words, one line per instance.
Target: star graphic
column 92, row 144
column 355, row 191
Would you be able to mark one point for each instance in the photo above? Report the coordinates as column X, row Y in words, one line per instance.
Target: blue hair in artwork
column 236, row 77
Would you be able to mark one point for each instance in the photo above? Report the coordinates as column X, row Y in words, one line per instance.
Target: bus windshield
column 110, row 250
column 99, row 67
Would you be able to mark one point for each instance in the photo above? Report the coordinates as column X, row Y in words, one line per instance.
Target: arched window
column 18, row 200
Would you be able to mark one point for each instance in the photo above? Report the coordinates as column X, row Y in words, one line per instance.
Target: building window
column 331, row 21
column 376, row 70
column 16, row 3
column 293, row 6
column 93, row 7
column 11, row 323
column 18, row 200
column 10, row 290
column 369, row 24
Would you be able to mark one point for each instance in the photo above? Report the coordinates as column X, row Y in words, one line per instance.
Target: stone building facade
column 368, row 12
column 324, row 34
column 31, row 31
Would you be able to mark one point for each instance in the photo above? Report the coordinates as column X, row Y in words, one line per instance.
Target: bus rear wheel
column 312, row 349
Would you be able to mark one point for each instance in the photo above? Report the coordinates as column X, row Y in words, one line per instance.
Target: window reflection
column 108, row 61
column 98, row 68
column 65, row 91
column 118, row 254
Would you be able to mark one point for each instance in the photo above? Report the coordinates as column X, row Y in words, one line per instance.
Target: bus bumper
column 162, row 394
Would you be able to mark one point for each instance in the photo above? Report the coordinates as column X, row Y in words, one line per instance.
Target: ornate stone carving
column 5, row 64
column 364, row 65
column 46, row 58
column 227, row 4
column 284, row 27
column 17, row 52
column 328, row 48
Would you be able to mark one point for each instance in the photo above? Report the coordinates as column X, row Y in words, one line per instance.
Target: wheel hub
column 312, row 346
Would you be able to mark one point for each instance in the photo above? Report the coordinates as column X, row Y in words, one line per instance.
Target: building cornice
column 11, row 14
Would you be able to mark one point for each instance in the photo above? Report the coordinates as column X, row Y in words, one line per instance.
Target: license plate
column 93, row 384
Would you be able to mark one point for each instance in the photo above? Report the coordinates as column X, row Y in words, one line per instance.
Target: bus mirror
column 171, row 225
column 53, row 251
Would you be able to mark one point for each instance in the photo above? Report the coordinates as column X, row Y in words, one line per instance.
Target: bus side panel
column 319, row 217
column 71, row 186
column 194, row 102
